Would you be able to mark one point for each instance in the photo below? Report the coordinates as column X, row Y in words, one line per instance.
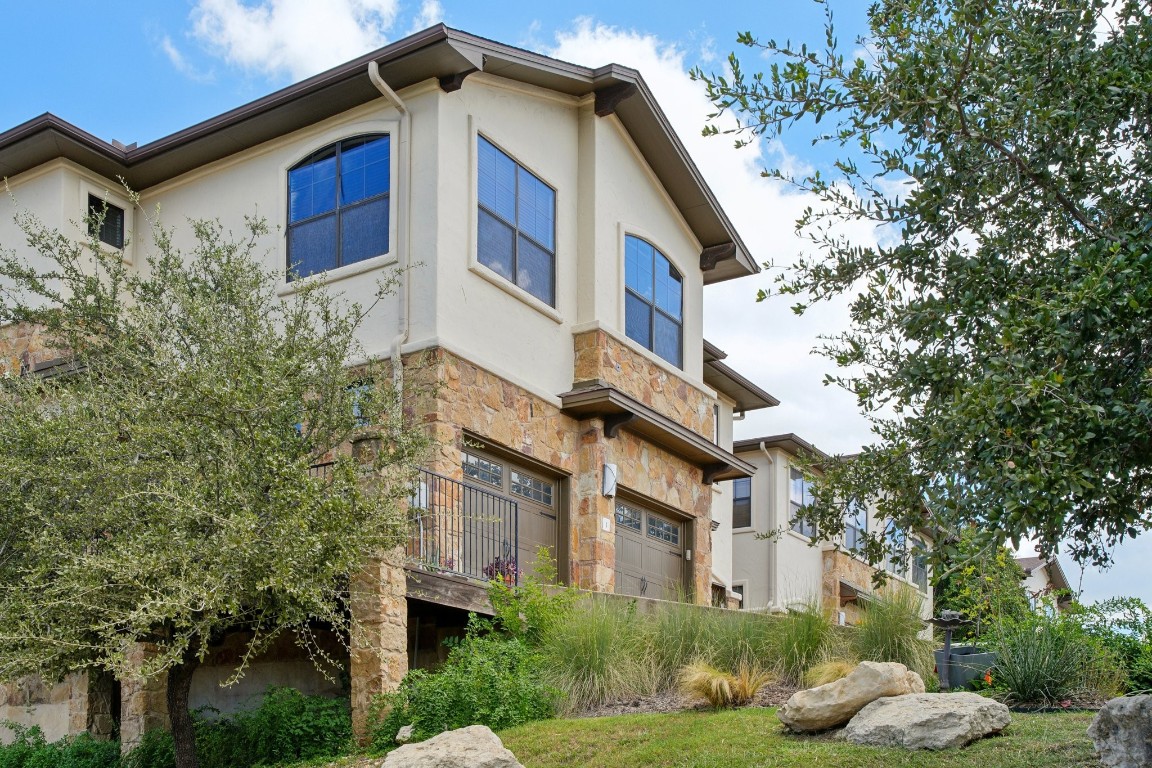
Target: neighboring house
column 1044, row 578
column 775, row 573
column 736, row 396
column 557, row 240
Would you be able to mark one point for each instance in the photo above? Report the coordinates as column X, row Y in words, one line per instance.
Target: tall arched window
column 338, row 205
column 653, row 300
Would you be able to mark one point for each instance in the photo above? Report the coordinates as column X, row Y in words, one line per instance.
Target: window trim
column 791, row 508
column 339, row 209
column 105, row 193
column 398, row 187
column 484, row 271
column 652, row 305
column 736, row 527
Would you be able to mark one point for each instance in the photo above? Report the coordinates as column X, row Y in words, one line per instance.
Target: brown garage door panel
column 646, row 566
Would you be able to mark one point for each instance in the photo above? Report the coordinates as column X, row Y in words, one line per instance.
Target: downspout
column 773, row 543
column 403, row 251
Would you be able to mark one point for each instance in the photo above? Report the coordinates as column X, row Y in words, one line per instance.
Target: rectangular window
column 359, row 393
column 627, row 516
column 855, row 526
column 482, row 469
column 663, row 530
column 106, row 221
column 530, row 488
column 742, row 503
column 799, row 496
column 739, row 590
column 516, row 226
column 920, row 565
column 897, row 540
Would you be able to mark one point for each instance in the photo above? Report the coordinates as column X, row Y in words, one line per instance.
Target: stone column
column 701, row 565
column 379, row 653
column 594, row 563
column 143, row 701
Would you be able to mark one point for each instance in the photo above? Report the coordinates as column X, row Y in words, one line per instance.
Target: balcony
column 462, row 530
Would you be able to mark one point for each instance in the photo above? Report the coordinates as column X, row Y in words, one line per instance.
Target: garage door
column 649, row 553
column 535, row 494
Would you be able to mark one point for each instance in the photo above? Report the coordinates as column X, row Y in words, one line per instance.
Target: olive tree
column 162, row 487
column 1000, row 319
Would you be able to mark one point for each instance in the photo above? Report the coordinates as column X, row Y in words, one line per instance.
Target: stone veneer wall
column 599, row 356
column 23, row 345
column 837, row 566
column 81, row 701
column 471, row 400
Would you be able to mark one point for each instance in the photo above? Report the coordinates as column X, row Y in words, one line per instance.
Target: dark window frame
column 742, row 503
column 919, row 564
column 802, row 527
column 652, row 305
column 517, row 231
column 106, row 221
column 855, row 511
column 340, row 207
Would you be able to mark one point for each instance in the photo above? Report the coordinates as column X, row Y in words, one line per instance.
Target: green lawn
column 753, row 737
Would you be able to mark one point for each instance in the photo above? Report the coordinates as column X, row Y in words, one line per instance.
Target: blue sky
column 138, row 71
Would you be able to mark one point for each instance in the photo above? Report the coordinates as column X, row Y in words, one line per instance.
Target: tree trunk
column 183, row 735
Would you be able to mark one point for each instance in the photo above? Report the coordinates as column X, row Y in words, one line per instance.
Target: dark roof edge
column 790, row 442
column 729, row 373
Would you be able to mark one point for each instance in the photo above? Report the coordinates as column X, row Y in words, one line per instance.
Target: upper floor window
column 919, row 565
column 653, row 300
column 896, row 540
column 338, row 210
column 516, row 223
column 742, row 502
column 106, row 221
column 799, row 496
column 855, row 526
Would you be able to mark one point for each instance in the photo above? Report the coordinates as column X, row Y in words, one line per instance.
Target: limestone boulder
column 472, row 747
column 834, row 704
column 927, row 721
column 1122, row 732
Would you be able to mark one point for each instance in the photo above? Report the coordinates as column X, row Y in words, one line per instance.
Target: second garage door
column 649, row 553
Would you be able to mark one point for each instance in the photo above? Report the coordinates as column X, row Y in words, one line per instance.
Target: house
column 777, row 572
column 1044, row 578
column 554, row 240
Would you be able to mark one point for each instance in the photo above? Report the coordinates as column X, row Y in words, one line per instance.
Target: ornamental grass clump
column 722, row 689
column 803, row 638
column 828, row 672
column 889, row 630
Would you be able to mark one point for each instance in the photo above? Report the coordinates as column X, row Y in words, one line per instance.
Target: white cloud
column 299, row 37
column 766, row 342
column 431, row 12
column 180, row 62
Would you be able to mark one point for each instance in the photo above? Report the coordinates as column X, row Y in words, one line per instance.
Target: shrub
column 889, row 631
column 803, row 639
column 29, row 750
column 1043, row 661
column 287, row 726
column 530, row 610
column 1124, row 626
column 488, row 679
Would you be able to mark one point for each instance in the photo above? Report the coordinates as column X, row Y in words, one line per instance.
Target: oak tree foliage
column 1001, row 319
column 161, row 485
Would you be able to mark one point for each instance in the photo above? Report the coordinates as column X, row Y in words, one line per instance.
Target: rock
column 927, row 721
column 404, row 735
column 472, row 747
column 831, row 705
column 1122, row 732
